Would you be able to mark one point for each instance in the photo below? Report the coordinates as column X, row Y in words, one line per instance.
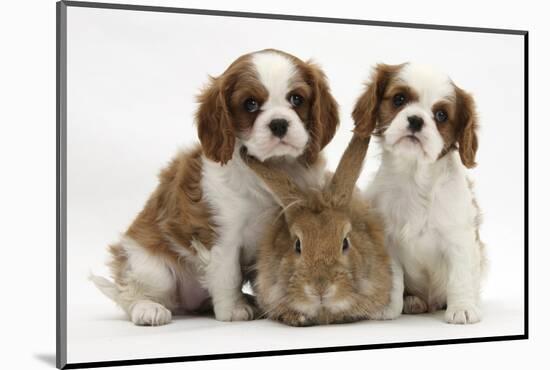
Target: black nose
column 415, row 123
column 278, row 127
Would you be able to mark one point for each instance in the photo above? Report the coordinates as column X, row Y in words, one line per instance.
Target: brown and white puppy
column 201, row 226
column 426, row 126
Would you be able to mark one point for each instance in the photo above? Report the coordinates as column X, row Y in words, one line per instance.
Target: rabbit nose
column 321, row 285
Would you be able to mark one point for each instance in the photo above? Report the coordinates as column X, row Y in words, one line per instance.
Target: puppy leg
column 394, row 308
column 463, row 284
column 145, row 287
column 224, row 280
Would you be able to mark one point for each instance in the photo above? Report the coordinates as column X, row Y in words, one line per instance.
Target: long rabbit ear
column 349, row 168
column 284, row 190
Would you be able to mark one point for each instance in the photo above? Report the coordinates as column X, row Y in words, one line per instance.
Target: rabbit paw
column 240, row 311
column 462, row 314
column 293, row 318
column 150, row 313
column 414, row 305
column 390, row 312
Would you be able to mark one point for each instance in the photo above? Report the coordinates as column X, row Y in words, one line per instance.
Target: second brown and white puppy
column 201, row 226
column 426, row 126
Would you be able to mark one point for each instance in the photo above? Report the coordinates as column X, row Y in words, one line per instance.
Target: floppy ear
column 284, row 190
column 324, row 112
column 341, row 186
column 467, row 120
column 365, row 113
column 215, row 129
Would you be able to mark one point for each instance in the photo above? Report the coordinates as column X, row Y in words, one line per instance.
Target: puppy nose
column 278, row 127
column 415, row 123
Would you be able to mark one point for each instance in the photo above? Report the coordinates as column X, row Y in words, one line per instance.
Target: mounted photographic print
column 229, row 181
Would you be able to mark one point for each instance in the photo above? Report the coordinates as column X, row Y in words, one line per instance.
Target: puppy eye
column 251, row 105
column 295, row 100
column 298, row 246
column 345, row 244
column 440, row 116
column 399, row 100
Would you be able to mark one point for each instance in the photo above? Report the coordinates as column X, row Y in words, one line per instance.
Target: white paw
column 467, row 314
column 150, row 313
column 390, row 312
column 240, row 311
column 414, row 305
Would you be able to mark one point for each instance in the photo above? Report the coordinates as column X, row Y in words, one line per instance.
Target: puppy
column 199, row 229
column 426, row 126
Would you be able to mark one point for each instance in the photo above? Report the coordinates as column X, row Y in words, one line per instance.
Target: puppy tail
column 107, row 287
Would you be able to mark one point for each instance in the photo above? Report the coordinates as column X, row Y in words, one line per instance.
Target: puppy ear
column 467, row 120
column 324, row 112
column 215, row 129
column 365, row 113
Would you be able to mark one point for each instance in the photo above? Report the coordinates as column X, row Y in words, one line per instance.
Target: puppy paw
column 414, row 305
column 150, row 313
column 466, row 314
column 240, row 311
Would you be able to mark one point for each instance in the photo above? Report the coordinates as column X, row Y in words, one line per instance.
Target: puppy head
column 270, row 101
column 418, row 113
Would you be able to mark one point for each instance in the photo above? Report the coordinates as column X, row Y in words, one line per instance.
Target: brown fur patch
column 466, row 117
column 176, row 212
column 367, row 109
column 216, row 123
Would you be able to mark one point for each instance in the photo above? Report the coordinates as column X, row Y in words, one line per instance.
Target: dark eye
column 440, row 116
column 251, row 105
column 345, row 244
column 295, row 100
column 399, row 100
column 298, row 246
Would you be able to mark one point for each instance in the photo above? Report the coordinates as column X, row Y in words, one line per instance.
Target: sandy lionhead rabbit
column 323, row 260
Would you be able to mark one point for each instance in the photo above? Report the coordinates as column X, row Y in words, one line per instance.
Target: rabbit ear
column 285, row 191
column 349, row 168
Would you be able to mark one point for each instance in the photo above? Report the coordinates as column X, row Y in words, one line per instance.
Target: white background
column 132, row 80
column 29, row 186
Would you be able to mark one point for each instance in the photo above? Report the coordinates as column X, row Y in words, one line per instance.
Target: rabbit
column 325, row 261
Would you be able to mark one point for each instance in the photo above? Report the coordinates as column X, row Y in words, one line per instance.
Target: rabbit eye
column 298, row 246
column 345, row 244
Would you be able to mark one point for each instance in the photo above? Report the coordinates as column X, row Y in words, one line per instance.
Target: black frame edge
column 223, row 356
column 526, row 186
column 61, row 200
column 288, row 17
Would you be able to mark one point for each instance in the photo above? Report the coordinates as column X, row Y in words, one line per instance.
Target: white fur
column 276, row 72
column 428, row 211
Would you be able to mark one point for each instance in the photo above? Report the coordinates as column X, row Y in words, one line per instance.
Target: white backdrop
column 27, row 156
column 132, row 79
